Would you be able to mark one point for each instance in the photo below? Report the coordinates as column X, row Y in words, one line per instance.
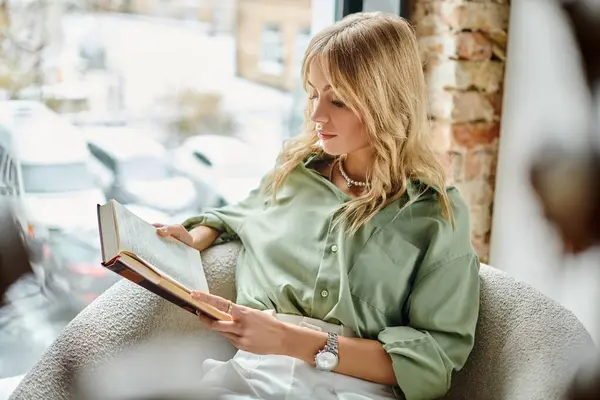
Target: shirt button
column 334, row 248
column 324, row 293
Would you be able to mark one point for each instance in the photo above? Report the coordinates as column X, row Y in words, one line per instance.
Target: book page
column 171, row 256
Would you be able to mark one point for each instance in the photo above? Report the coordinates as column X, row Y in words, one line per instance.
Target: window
column 203, row 159
column 3, row 159
column 8, row 173
column 391, row 6
column 7, row 170
column 302, row 40
column 271, row 50
column 56, row 178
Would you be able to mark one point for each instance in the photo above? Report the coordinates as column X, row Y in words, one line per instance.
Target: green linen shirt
column 407, row 278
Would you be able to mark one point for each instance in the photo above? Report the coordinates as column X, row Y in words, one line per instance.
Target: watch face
column 327, row 361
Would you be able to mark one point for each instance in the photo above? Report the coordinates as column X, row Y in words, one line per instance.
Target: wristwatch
column 327, row 358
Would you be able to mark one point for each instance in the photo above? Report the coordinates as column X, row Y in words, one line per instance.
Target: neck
column 358, row 163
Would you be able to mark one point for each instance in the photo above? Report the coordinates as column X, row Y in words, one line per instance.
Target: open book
column 164, row 265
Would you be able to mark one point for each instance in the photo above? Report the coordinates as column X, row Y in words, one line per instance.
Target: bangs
column 335, row 61
column 321, row 59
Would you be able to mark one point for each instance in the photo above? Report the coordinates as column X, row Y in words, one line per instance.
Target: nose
column 319, row 114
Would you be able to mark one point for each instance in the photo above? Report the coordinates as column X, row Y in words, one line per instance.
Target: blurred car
column 9, row 179
column 51, row 167
column 77, row 276
column 9, row 182
column 133, row 168
column 226, row 165
column 40, row 256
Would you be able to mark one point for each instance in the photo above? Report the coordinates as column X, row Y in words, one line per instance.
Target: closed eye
column 338, row 104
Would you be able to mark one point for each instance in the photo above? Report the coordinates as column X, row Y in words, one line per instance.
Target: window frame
column 347, row 7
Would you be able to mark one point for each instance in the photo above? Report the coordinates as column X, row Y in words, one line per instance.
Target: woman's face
column 338, row 128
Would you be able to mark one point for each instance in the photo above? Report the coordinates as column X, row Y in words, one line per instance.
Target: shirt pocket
column 383, row 272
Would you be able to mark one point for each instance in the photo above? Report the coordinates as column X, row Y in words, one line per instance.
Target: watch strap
column 332, row 343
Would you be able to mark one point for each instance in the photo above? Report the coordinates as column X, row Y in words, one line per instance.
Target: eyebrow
column 326, row 88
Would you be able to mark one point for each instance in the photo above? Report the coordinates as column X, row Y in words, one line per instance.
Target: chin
column 332, row 149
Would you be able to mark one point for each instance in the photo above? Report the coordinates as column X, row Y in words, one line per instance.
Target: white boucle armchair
column 527, row 346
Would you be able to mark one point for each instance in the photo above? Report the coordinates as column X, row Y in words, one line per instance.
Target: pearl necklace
column 350, row 182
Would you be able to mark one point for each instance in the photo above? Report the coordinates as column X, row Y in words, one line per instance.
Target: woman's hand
column 200, row 238
column 251, row 330
column 177, row 231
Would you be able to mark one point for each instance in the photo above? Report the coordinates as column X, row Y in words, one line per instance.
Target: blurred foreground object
column 14, row 255
column 168, row 368
column 567, row 183
column 568, row 188
column 585, row 25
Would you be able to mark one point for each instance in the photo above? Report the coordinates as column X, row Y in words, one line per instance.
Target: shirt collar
column 415, row 189
column 315, row 156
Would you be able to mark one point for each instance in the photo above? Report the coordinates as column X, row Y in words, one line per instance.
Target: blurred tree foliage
column 12, row 80
column 122, row 6
column 194, row 112
column 20, row 48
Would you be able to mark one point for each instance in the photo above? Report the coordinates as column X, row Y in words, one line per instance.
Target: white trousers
column 249, row 375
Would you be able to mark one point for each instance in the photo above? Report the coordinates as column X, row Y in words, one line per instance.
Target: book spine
column 127, row 273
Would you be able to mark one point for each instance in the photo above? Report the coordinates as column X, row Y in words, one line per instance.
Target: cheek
column 353, row 130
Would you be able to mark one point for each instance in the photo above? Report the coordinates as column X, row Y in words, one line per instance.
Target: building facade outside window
column 302, row 39
column 271, row 50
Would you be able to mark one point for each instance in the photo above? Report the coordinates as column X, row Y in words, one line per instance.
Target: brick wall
column 463, row 44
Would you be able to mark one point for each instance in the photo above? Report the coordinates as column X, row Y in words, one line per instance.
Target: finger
column 215, row 325
column 227, row 327
column 177, row 231
column 166, row 229
column 234, row 339
column 171, row 229
column 206, row 320
column 237, row 311
column 218, row 302
column 162, row 230
column 220, row 326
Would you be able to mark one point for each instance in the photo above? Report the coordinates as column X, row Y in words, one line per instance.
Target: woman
column 353, row 245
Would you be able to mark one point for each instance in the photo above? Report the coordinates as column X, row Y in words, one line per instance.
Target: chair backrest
column 527, row 346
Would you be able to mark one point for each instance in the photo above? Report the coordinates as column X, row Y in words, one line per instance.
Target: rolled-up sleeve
column 213, row 220
column 227, row 220
column 443, row 308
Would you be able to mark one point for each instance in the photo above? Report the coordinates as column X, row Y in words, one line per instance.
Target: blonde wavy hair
column 372, row 62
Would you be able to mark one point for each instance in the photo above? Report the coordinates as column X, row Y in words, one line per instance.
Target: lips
column 325, row 135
